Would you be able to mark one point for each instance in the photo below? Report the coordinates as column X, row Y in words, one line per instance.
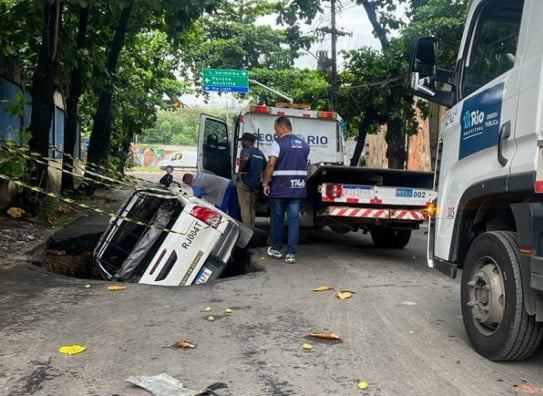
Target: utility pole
column 335, row 33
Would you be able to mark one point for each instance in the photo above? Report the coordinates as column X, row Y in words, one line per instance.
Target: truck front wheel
column 492, row 299
column 389, row 238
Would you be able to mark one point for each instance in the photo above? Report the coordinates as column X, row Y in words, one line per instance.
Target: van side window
column 493, row 44
column 215, row 134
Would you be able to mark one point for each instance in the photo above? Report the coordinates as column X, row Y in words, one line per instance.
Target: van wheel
column 388, row 238
column 492, row 300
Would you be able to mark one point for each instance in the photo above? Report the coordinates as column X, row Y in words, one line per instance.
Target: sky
column 350, row 18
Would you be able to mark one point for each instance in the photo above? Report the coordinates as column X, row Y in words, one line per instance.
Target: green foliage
column 233, row 38
column 443, row 19
column 304, row 86
column 369, row 75
column 46, row 209
column 179, row 127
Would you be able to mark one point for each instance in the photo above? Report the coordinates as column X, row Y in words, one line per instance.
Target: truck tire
column 388, row 238
column 492, row 300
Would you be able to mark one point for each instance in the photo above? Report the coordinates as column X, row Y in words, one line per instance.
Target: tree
column 43, row 83
column 169, row 16
column 101, row 131
column 386, row 85
column 304, row 86
column 232, row 38
column 72, row 103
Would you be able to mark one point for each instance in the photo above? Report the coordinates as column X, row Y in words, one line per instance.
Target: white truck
column 387, row 203
column 489, row 218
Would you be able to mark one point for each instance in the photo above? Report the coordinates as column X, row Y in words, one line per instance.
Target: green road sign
column 226, row 80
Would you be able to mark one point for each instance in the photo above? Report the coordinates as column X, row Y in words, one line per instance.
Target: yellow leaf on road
column 228, row 310
column 16, row 213
column 116, row 288
column 322, row 288
column 363, row 385
column 186, row 345
column 211, row 318
column 72, row 349
column 325, row 336
column 207, row 309
column 344, row 294
column 307, row 346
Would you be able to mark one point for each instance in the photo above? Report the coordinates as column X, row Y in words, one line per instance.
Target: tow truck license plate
column 410, row 193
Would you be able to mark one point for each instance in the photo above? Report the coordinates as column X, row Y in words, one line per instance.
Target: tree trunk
column 101, row 130
column 395, row 137
column 76, row 89
column 369, row 118
column 43, row 86
column 378, row 29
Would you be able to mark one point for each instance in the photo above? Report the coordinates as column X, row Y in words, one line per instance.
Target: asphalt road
column 401, row 332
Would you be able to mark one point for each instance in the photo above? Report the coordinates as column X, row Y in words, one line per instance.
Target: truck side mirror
column 424, row 57
column 427, row 80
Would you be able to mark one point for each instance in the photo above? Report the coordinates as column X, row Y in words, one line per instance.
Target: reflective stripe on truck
column 368, row 213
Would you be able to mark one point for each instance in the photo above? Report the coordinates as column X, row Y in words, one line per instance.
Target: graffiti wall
column 154, row 155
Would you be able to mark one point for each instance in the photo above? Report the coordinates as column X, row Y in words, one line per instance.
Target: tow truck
column 387, row 203
column 489, row 212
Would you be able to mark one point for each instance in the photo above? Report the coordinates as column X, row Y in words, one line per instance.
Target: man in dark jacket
column 252, row 164
column 285, row 184
column 167, row 179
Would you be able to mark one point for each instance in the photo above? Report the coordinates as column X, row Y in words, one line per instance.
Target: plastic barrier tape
column 112, row 215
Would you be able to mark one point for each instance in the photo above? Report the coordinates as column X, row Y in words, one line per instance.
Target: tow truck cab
column 489, row 174
column 218, row 151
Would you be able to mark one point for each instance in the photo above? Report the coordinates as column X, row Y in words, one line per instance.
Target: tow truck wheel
column 492, row 300
column 388, row 238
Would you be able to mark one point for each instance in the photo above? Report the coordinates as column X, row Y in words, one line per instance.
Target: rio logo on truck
column 481, row 121
column 312, row 140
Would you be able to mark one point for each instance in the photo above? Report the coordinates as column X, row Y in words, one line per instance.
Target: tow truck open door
column 214, row 151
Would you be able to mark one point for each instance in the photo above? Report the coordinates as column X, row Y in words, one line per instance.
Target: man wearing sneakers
column 285, row 184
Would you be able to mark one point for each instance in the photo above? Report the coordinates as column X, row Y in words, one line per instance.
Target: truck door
column 214, row 147
column 478, row 138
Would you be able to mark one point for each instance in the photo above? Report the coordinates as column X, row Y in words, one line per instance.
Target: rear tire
column 388, row 238
column 492, row 300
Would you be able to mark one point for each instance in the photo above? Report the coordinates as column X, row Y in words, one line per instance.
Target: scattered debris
column 116, row 288
column 307, row 346
column 228, row 310
column 72, row 349
column 322, row 288
column 362, row 385
column 325, row 336
column 15, row 213
column 345, row 294
column 211, row 318
column 185, row 344
column 409, row 303
column 207, row 309
column 166, row 385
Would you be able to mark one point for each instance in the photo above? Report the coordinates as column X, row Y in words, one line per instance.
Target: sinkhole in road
column 70, row 252
column 79, row 264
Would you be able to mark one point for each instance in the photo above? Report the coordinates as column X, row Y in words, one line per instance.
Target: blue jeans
column 278, row 208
